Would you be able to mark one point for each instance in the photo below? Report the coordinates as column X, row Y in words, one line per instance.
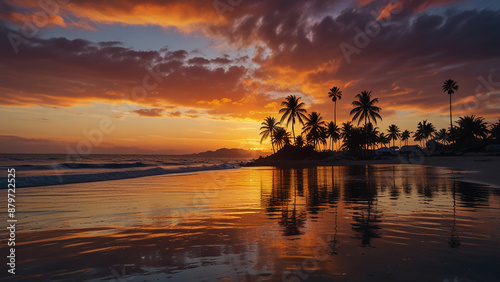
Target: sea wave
column 71, row 166
column 46, row 180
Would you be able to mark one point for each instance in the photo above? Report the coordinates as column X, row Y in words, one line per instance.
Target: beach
column 250, row 140
column 347, row 223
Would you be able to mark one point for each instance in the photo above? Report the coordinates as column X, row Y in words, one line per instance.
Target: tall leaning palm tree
column 335, row 94
column 293, row 109
column 365, row 109
column 450, row 86
column 394, row 133
column 268, row 129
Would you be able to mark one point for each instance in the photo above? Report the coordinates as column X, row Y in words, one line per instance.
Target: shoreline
column 481, row 169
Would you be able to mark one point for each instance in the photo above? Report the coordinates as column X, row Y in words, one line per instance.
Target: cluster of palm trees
column 316, row 131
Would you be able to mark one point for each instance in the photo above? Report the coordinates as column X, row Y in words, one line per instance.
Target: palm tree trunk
column 335, row 114
column 293, row 130
column 272, row 143
column 335, row 118
column 451, row 122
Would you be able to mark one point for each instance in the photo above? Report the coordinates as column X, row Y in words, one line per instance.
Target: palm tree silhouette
column 471, row 128
column 424, row 131
column 269, row 126
column 454, row 240
column 281, row 137
column 405, row 136
column 299, row 141
column 371, row 134
column 495, row 131
column 333, row 132
column 335, row 94
column 382, row 139
column 441, row 135
column 293, row 109
column 314, row 128
column 450, row 86
column 365, row 109
column 394, row 133
column 429, row 129
column 346, row 130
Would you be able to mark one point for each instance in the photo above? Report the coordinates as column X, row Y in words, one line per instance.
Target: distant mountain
column 230, row 153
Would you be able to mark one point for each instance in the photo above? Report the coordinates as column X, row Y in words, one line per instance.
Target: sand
column 328, row 223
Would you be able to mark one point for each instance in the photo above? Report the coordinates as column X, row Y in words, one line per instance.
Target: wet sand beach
column 344, row 223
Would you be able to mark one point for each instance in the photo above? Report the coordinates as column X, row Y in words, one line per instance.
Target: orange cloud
column 155, row 112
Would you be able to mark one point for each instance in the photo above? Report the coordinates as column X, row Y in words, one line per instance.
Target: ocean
column 55, row 169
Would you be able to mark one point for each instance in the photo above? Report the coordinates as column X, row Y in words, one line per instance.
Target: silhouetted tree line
column 469, row 130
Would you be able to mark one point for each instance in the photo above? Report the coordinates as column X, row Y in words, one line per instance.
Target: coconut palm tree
column 424, row 131
column 354, row 138
column 471, row 128
column 281, row 137
column 365, row 109
column 323, row 140
column 419, row 134
column 441, row 135
column 405, row 136
column 299, row 141
column 428, row 130
column 371, row 135
column 293, row 109
column 394, row 133
column 450, row 86
column 314, row 127
column 346, row 130
column 335, row 94
column 383, row 139
column 333, row 132
column 268, row 129
column 495, row 131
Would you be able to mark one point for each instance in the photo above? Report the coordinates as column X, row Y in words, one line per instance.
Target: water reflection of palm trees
column 292, row 220
column 293, row 198
column 299, row 195
column 333, row 200
column 366, row 217
column 454, row 240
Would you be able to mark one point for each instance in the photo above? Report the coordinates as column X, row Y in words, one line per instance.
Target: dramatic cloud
column 181, row 14
column 62, row 72
column 402, row 50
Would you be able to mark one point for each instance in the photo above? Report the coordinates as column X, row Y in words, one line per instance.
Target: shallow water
column 358, row 223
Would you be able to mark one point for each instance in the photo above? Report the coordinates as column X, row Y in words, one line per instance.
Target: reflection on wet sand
column 352, row 223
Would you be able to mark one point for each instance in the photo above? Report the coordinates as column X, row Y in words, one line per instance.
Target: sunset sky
column 179, row 76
